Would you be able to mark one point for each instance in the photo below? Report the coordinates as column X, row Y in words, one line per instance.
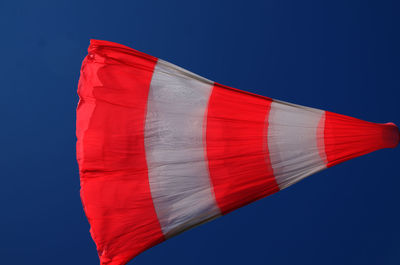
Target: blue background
column 341, row 56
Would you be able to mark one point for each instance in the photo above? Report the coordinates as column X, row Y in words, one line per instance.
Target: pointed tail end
column 391, row 135
column 346, row 137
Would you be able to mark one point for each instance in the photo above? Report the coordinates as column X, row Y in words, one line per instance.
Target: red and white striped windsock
column 161, row 150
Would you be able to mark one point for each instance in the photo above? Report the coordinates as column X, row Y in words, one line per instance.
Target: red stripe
column 347, row 137
column 115, row 190
column 237, row 154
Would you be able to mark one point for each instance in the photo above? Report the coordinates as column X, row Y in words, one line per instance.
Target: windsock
column 161, row 150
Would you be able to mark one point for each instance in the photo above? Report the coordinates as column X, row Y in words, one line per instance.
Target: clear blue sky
column 341, row 56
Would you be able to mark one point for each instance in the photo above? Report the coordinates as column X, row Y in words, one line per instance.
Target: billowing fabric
column 161, row 150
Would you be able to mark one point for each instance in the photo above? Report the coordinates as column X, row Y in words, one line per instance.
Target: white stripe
column 293, row 142
column 178, row 171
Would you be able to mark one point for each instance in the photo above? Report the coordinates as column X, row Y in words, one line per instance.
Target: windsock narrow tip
column 391, row 134
column 346, row 137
